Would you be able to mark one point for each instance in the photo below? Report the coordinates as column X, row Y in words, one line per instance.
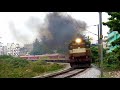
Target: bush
column 5, row 56
column 111, row 61
column 14, row 61
column 111, row 58
column 40, row 62
column 54, row 67
column 18, row 62
column 38, row 69
column 11, row 67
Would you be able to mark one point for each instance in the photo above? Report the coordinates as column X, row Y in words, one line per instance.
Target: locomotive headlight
column 78, row 40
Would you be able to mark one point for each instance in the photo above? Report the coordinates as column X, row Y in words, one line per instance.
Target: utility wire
column 79, row 25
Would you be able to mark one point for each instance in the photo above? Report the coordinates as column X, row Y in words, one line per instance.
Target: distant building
column 4, row 50
column 1, row 49
column 13, row 49
column 112, row 36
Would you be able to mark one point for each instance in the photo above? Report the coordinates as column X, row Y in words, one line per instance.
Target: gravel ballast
column 91, row 73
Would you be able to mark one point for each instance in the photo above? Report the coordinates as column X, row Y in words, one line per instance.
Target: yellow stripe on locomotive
column 78, row 50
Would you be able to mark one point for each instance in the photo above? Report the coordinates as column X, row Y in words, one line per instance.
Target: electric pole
column 100, row 42
column 98, row 45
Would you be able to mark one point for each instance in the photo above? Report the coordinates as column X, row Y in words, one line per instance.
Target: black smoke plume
column 55, row 33
column 61, row 30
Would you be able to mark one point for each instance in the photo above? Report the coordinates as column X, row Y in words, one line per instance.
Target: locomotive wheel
column 72, row 65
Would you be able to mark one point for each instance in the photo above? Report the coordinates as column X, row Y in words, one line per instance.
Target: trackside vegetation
column 111, row 60
column 14, row 67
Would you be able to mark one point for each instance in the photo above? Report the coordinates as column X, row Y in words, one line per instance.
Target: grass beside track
column 12, row 67
column 110, row 70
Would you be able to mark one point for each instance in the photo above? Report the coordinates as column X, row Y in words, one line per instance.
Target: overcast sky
column 19, row 19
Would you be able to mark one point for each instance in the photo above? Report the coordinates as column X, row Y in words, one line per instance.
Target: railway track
column 70, row 73
column 66, row 74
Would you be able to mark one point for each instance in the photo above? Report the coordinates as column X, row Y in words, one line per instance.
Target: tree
column 36, row 49
column 95, row 56
column 39, row 48
column 114, row 25
column 94, row 51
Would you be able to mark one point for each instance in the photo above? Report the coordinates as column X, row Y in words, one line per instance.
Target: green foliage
column 40, row 48
column 114, row 24
column 38, row 68
column 114, row 21
column 112, row 60
column 39, row 62
column 54, row 67
column 116, row 42
column 14, row 61
column 94, row 51
column 12, row 67
column 5, row 56
column 95, row 56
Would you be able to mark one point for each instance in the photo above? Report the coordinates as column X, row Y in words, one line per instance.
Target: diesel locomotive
column 80, row 53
